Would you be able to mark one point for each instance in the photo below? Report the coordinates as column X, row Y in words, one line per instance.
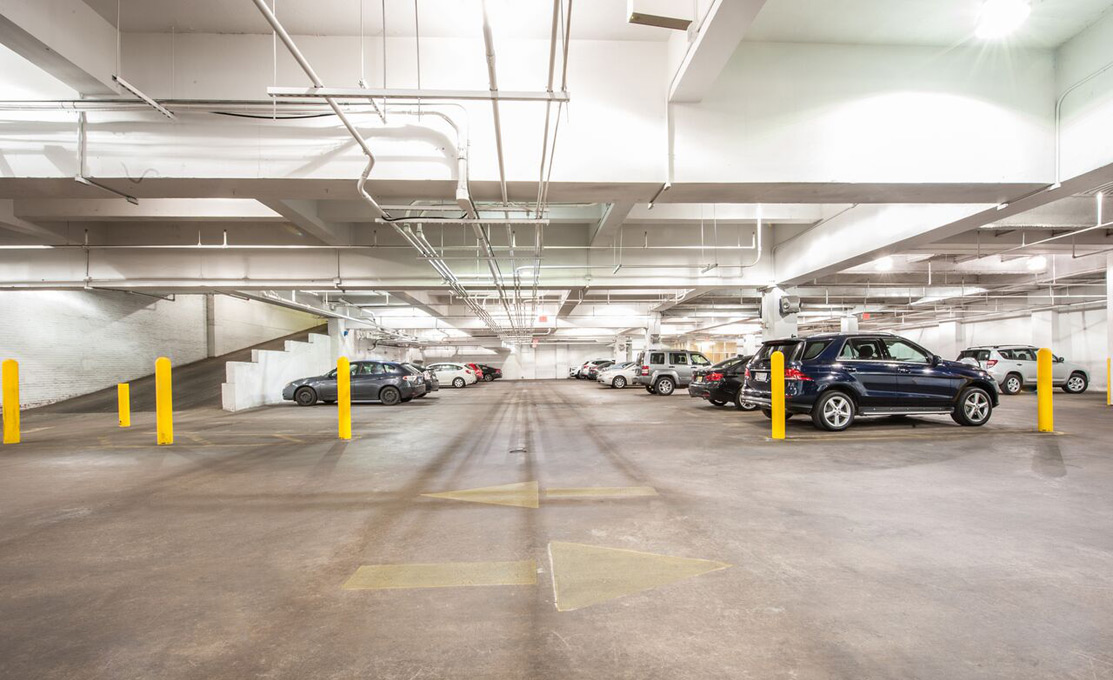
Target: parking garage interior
column 611, row 339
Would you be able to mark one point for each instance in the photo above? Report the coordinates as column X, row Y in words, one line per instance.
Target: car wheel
column 1076, row 383
column 833, row 411
column 974, row 407
column 768, row 413
column 718, row 402
column 405, row 399
column 488, row 378
column 390, row 396
column 305, row 396
column 744, row 405
column 330, row 402
column 1013, row 384
column 459, row 382
column 664, row 386
column 649, row 388
column 619, row 382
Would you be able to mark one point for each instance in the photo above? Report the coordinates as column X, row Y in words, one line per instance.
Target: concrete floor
column 899, row 549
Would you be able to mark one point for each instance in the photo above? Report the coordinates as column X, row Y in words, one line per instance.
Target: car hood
column 308, row 381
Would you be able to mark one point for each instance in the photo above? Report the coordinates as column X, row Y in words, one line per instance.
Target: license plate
column 761, row 376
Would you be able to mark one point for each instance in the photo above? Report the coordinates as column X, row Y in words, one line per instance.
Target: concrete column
column 774, row 324
column 1108, row 308
column 950, row 340
column 653, row 330
column 849, row 324
column 1045, row 326
column 336, row 338
column 210, row 325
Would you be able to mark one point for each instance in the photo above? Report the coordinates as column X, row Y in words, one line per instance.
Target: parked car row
column 389, row 382
column 836, row 378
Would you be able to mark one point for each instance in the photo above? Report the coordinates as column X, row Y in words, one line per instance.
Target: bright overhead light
column 1037, row 263
column 999, row 18
column 884, row 264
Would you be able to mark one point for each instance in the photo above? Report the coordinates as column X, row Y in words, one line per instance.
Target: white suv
column 1014, row 366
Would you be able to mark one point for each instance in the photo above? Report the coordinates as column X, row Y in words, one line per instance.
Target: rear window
column 656, row 357
column 976, row 354
column 786, row 348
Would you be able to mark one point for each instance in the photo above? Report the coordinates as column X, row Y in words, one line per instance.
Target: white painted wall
column 70, row 343
column 1087, row 136
column 260, row 381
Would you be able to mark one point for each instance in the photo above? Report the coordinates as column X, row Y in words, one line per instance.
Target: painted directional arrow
column 583, row 575
column 528, row 494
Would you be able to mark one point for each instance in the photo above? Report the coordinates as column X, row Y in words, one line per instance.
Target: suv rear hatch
column 758, row 370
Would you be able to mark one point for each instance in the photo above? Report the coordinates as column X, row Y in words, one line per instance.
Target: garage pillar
column 1045, row 324
column 653, row 330
column 1108, row 306
column 336, row 331
column 951, row 340
column 848, row 324
column 774, row 324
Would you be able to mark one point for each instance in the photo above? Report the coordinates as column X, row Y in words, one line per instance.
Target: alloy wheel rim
column 1013, row 384
column 976, row 407
column 665, row 388
column 1075, row 384
column 836, row 411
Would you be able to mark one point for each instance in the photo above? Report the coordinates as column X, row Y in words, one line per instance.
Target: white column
column 774, row 324
column 1108, row 311
column 336, row 338
column 950, row 341
column 653, row 330
column 849, row 324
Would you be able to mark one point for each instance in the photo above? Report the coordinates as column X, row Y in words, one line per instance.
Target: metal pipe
column 489, row 44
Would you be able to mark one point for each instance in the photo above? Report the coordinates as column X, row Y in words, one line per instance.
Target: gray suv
column 661, row 371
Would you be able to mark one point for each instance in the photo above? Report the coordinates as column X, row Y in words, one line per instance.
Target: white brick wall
column 260, row 381
column 70, row 343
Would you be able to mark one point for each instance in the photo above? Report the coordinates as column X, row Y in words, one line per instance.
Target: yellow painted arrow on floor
column 527, row 494
column 584, row 575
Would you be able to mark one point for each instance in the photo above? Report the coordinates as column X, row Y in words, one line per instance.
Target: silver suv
column 1014, row 367
column 661, row 371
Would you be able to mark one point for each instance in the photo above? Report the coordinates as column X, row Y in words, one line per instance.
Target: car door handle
column 851, row 369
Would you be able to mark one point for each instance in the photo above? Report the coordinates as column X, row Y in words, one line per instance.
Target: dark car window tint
column 678, row 358
column 976, row 354
column 864, row 349
column 814, row 348
column 656, row 357
column 700, row 360
column 1025, row 354
column 786, row 348
column 901, row 350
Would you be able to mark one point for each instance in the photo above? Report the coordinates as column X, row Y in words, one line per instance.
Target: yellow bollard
column 164, row 402
column 777, row 380
column 9, row 386
column 1109, row 382
column 344, row 396
column 1045, row 418
column 123, row 396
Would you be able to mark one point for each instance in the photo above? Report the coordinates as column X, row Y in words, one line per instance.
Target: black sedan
column 383, row 381
column 838, row 377
column 432, row 384
column 721, row 384
column 490, row 373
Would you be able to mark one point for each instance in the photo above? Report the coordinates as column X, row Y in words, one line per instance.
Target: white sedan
column 456, row 375
column 619, row 375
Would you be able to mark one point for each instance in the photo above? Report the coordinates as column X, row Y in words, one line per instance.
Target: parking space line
column 443, row 575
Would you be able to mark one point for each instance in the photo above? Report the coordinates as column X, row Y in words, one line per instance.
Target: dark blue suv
column 839, row 376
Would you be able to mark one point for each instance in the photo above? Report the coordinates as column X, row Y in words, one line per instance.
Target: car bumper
column 793, row 403
column 288, row 392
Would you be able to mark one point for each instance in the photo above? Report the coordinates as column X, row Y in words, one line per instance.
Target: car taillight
column 795, row 374
column 991, row 363
column 645, row 370
column 747, row 375
column 715, row 377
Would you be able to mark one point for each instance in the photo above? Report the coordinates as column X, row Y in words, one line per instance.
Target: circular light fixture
column 999, row 18
column 1037, row 263
column 883, row 264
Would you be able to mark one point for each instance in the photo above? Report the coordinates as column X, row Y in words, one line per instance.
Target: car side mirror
column 1059, row 360
column 936, row 359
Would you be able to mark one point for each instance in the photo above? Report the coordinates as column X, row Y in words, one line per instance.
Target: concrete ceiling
column 939, row 23
column 594, row 20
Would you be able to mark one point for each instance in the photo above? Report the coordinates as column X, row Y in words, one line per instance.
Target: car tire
column 974, row 407
column 744, row 405
column 649, row 388
column 329, row 402
column 1013, row 384
column 488, row 378
column 619, row 382
column 664, row 387
column 459, row 382
column 717, row 402
column 305, row 396
column 833, row 411
column 1076, row 383
column 389, row 396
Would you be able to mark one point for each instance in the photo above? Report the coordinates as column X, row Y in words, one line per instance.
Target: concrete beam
column 719, row 34
column 686, row 296
column 729, row 213
column 11, row 221
column 424, row 302
column 67, row 39
column 603, row 231
column 571, row 299
column 148, row 210
column 305, row 216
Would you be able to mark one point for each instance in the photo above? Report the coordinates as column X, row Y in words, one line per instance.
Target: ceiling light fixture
column 883, row 264
column 1037, row 263
column 999, row 18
